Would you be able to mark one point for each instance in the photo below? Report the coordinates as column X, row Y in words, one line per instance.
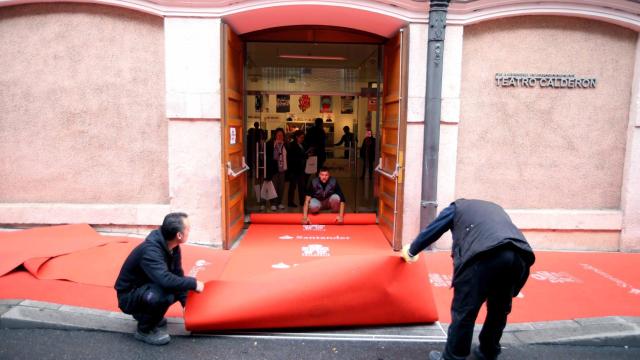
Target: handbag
column 268, row 191
column 311, row 166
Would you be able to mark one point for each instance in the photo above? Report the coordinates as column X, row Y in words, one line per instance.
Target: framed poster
column 346, row 104
column 325, row 104
column 282, row 103
column 304, row 102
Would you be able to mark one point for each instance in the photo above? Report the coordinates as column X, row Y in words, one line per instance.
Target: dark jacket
column 346, row 139
column 316, row 139
column 322, row 191
column 368, row 149
column 477, row 226
column 296, row 159
column 153, row 262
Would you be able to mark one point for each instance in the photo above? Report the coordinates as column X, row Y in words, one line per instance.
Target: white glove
column 405, row 254
column 199, row 286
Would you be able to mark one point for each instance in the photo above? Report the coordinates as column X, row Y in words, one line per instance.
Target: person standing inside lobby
column 347, row 140
column 277, row 166
column 368, row 154
column 316, row 139
column 296, row 161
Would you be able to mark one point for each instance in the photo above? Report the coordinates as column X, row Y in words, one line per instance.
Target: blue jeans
column 333, row 203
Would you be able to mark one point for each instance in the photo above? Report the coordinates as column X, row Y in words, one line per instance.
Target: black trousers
column 298, row 181
column 367, row 165
column 147, row 304
column 492, row 277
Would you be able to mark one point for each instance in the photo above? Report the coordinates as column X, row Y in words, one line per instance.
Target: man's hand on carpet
column 405, row 254
column 339, row 219
column 305, row 221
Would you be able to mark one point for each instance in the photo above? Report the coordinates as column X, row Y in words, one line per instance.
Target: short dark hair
column 318, row 121
column 173, row 224
column 324, row 168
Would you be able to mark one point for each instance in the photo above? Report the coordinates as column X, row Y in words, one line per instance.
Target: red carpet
column 101, row 265
column 18, row 246
column 89, row 261
column 562, row 286
column 284, row 276
column 323, row 219
column 294, row 275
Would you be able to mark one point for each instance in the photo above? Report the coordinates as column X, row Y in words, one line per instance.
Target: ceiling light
column 312, row 57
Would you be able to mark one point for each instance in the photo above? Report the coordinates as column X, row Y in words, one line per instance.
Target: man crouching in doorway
column 323, row 193
column 152, row 279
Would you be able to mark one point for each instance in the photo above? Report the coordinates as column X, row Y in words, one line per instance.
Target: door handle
column 391, row 176
column 234, row 174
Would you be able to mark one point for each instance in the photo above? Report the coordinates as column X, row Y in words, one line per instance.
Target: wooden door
column 234, row 166
column 390, row 170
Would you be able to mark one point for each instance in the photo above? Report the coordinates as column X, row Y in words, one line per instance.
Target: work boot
column 153, row 337
column 162, row 323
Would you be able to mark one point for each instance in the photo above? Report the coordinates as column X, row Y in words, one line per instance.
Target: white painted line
column 335, row 336
column 373, row 338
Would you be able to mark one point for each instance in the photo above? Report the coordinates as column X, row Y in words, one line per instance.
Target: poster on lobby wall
column 325, row 104
column 258, row 103
column 304, row 102
column 282, row 103
column 372, row 104
column 346, row 104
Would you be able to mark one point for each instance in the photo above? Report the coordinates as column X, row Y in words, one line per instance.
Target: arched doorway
column 278, row 63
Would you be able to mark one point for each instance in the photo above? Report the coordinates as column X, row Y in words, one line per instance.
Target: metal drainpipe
column 433, row 98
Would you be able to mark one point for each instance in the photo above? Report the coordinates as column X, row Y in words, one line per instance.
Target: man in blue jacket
column 491, row 261
column 152, row 279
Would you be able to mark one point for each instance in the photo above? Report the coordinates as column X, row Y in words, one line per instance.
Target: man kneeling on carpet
column 152, row 279
column 323, row 193
column 491, row 261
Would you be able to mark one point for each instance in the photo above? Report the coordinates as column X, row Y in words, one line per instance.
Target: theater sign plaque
column 553, row 81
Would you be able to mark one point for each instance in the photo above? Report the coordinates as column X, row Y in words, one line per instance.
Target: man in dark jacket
column 323, row 193
column 491, row 261
column 152, row 279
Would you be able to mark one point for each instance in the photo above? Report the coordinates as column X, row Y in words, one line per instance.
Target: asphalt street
column 72, row 344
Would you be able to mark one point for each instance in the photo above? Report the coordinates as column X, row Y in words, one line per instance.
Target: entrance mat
column 293, row 276
column 562, row 286
column 322, row 218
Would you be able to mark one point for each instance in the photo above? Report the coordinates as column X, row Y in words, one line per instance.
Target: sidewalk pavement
column 611, row 330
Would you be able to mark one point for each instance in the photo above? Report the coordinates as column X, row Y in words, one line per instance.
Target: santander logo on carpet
column 315, row 250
